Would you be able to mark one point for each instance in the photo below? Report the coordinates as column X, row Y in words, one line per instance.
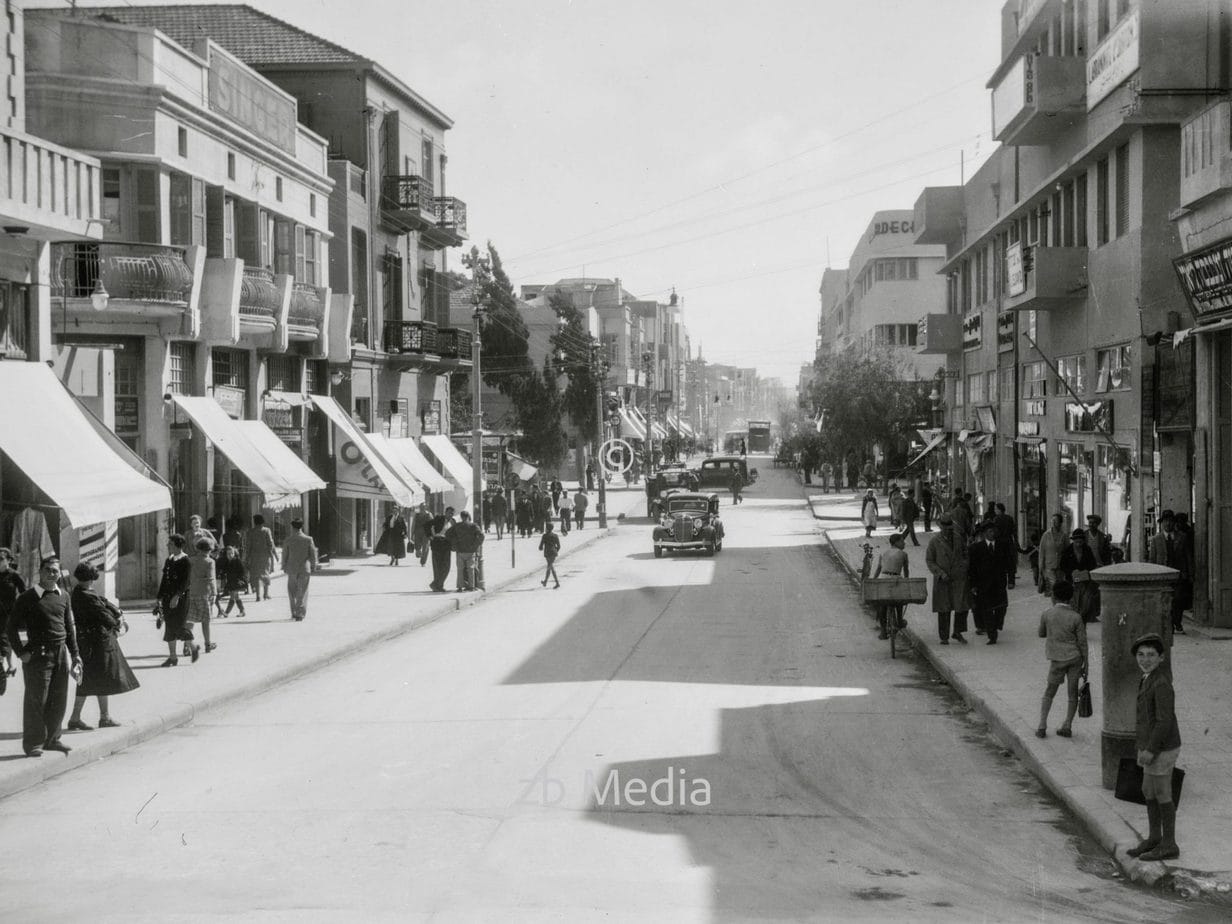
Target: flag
column 820, row 420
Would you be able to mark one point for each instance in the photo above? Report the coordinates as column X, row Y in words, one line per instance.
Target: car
column 666, row 479
column 716, row 471
column 689, row 522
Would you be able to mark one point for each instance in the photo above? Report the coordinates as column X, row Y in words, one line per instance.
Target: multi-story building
column 390, row 220
column 1058, row 264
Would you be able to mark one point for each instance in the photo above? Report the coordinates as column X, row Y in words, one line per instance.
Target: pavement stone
column 1004, row 684
column 353, row 605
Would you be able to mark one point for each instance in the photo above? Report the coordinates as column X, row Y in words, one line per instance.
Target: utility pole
column 647, row 364
column 476, row 416
column 600, row 372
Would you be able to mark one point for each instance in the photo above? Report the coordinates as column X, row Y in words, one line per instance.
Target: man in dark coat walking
column 988, row 579
column 946, row 558
column 907, row 514
column 926, row 506
column 1007, row 541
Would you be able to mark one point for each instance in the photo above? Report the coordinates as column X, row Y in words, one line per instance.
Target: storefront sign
column 1013, row 94
column 1005, row 331
column 127, row 418
column 241, row 95
column 1113, row 61
column 892, row 227
column 231, row 400
column 279, row 416
column 973, row 337
column 1028, row 428
column 1206, row 278
column 1034, row 407
column 1088, row 418
column 1015, row 274
column 430, row 418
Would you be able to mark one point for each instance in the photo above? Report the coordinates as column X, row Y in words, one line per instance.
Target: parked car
column 664, row 480
column 716, row 471
column 689, row 522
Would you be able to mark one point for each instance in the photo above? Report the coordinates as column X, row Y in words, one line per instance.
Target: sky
column 728, row 150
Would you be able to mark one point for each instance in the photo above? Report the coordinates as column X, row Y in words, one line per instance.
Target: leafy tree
column 573, row 345
column 504, row 353
column 539, row 414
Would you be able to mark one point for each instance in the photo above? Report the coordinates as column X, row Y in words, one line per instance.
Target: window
column 1112, row 369
column 230, row 368
column 230, row 166
column 183, row 368
column 314, row 375
column 991, row 387
column 1072, row 370
column 228, row 228
column 312, row 204
column 284, row 372
column 187, row 210
column 1034, row 385
column 1080, row 229
column 391, row 286
column 111, row 199
column 428, row 160
column 182, row 137
column 1122, row 189
column 278, row 188
column 312, row 250
column 1101, row 202
column 284, row 247
column 14, row 321
column 975, row 388
column 145, row 206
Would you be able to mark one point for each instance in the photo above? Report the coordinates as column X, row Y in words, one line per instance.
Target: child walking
column 233, row 577
column 550, row 544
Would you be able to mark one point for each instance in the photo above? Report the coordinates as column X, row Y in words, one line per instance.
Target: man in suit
column 926, row 506
column 907, row 514
column 1007, row 541
column 1051, row 547
column 441, row 549
column 299, row 560
column 466, row 539
column 988, row 579
column 1170, row 547
column 44, row 614
column 1099, row 541
column 946, row 558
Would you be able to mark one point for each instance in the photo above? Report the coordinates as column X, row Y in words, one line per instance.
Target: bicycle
column 891, row 595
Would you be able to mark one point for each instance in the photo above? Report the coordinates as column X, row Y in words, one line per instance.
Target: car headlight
column 697, row 524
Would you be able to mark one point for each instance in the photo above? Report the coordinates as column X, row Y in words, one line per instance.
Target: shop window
column 1112, row 369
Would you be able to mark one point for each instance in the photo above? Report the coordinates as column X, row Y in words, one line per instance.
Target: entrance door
column 1219, row 481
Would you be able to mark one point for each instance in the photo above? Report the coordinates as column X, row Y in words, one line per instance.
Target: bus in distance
column 759, row 436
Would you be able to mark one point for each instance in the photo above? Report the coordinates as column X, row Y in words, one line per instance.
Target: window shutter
column 300, row 257
column 198, row 212
column 391, row 155
column 284, row 247
column 215, row 226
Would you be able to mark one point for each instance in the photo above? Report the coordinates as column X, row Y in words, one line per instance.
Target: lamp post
column 476, row 415
column 647, row 360
column 600, row 373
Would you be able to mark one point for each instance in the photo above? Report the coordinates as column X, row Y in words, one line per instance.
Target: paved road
column 490, row 766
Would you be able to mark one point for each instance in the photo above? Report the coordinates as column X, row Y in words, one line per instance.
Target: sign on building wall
column 231, row 400
column 1015, row 277
column 241, row 96
column 973, row 336
column 1114, row 60
column 127, row 414
column 1088, row 418
column 1206, row 278
column 1005, row 331
column 430, row 417
column 279, row 416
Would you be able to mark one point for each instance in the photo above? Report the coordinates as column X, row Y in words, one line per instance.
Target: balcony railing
column 451, row 215
column 407, row 203
column 129, row 272
column 307, row 306
column 410, row 337
column 454, row 342
column 259, row 297
column 1053, row 277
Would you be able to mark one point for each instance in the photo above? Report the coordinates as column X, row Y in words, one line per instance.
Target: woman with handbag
column 1158, row 744
column 105, row 672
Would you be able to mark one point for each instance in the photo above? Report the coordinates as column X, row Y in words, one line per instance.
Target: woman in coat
column 261, row 556
column 202, row 592
column 173, row 600
column 105, row 672
column 1158, row 742
column 868, row 513
column 896, row 505
column 393, row 538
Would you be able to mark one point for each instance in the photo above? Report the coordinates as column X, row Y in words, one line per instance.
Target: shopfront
column 1032, row 459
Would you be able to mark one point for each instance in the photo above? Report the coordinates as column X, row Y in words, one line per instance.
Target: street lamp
column 647, row 363
column 476, row 411
column 600, row 375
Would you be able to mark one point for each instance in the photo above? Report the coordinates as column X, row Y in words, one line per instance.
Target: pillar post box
column 1135, row 598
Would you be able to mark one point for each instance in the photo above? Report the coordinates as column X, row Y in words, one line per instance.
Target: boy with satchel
column 1066, row 650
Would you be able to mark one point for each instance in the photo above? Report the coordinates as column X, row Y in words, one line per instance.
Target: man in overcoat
column 988, row 579
column 1052, row 545
column 946, row 558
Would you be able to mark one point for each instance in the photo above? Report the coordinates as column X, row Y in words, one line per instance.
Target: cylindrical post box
column 1135, row 598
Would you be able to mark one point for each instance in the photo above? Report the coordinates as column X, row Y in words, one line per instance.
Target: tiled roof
column 251, row 35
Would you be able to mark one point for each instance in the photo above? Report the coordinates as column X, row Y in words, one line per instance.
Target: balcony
column 1206, row 154
column 422, row 345
column 410, row 337
column 939, row 216
column 142, row 280
column 1051, row 278
column 307, row 312
column 450, row 227
column 454, row 343
column 49, row 190
column 1038, row 98
column 408, row 204
column 260, row 300
column 939, row 334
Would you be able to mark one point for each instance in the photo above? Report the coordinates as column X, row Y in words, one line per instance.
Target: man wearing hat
column 946, row 558
column 1099, row 541
column 1052, row 546
column 1158, row 741
column 1171, row 547
column 988, row 579
column 1077, row 563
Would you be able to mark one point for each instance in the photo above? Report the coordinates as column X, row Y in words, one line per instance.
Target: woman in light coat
column 868, row 513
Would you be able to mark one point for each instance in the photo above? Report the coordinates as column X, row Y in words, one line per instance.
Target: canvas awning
column 630, row 426
column 47, row 436
column 655, row 428
column 410, row 456
column 457, row 469
column 286, row 463
column 934, row 441
column 237, row 445
column 362, row 470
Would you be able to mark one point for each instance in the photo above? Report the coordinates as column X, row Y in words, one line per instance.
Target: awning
column 381, row 442
column 237, row 445
column 630, row 427
column 1182, row 335
column 362, row 469
column 286, row 463
column 457, row 469
column 413, row 460
column 520, row 467
column 655, row 428
column 48, row 437
column 293, row 398
column 932, row 444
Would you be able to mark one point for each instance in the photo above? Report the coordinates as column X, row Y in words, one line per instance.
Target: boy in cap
column 1158, row 741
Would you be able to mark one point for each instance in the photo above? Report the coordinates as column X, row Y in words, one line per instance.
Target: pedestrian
column 48, row 656
column 234, row 534
column 215, row 532
column 1098, row 540
column 104, row 670
column 1170, row 547
column 485, row 509
column 868, row 513
column 1031, row 550
column 525, row 513
column 827, row 476
column 946, row 558
column 197, row 532
column 465, row 539
column 499, row 508
column 736, row 483
column 11, row 587
column 541, row 508
column 581, row 500
column 262, row 555
column 421, row 532
column 565, row 508
column 550, row 546
column 896, row 505
column 393, row 537
column 892, row 563
column 172, row 606
column 926, row 506
column 907, row 514
column 1077, row 563
column 1053, row 543
column 1066, row 650
column 590, row 476
column 439, row 543
column 557, row 490
column 1158, row 741
column 299, row 561
column 987, row 581
column 964, row 523
column 1007, row 542
column 202, row 593
column 232, row 579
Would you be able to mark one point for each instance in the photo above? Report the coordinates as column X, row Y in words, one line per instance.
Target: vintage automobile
column 671, row 478
column 716, row 471
column 689, row 522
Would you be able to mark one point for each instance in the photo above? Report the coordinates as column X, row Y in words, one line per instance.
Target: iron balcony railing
column 451, row 215
column 407, row 194
column 454, row 342
column 259, row 296
column 410, row 337
column 307, row 306
column 129, row 272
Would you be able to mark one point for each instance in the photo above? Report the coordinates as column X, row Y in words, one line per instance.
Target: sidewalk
column 1005, row 683
column 354, row 603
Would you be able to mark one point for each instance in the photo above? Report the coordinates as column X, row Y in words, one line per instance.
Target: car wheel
column 658, row 552
column 710, row 548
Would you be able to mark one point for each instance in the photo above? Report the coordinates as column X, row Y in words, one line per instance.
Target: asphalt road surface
column 685, row 739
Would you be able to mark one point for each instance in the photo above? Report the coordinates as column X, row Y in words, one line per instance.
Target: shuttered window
column 1101, row 202
column 1122, row 189
column 145, row 205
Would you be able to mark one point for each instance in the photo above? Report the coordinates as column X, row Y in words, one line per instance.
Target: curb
column 51, row 765
column 1089, row 811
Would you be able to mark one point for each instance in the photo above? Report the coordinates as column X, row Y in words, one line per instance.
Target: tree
column 504, row 352
column 543, row 441
column 573, row 345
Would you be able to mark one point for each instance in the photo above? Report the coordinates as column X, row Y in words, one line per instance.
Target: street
column 681, row 739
